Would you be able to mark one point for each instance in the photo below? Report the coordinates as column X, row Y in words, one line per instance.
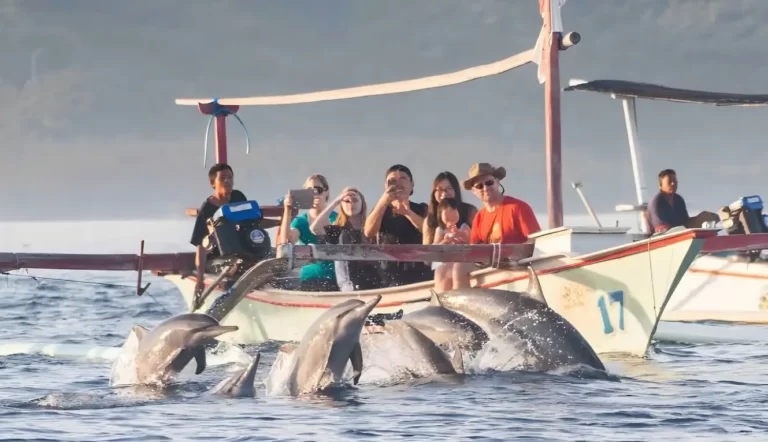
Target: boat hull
column 614, row 297
column 717, row 288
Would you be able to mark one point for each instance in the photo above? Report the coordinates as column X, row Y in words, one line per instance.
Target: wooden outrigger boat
column 724, row 287
column 613, row 287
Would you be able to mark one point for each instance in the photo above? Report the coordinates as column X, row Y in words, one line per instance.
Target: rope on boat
column 77, row 281
column 220, row 110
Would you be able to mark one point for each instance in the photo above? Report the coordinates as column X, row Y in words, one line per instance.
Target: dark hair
column 400, row 168
column 216, row 168
column 432, row 218
column 666, row 173
column 446, row 203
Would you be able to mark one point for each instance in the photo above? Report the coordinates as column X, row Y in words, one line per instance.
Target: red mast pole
column 552, row 140
column 220, row 134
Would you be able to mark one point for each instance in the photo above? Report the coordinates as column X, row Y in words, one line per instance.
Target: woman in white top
column 450, row 275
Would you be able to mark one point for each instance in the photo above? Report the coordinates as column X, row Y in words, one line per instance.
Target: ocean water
column 691, row 389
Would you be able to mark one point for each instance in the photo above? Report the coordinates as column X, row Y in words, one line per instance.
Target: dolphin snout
column 201, row 336
column 370, row 305
column 250, row 371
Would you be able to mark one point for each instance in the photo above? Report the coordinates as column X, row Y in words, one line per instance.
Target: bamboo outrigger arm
column 490, row 254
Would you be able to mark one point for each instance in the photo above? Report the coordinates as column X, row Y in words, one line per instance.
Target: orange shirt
column 510, row 223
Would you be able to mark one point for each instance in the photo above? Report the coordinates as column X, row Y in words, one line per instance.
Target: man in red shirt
column 503, row 219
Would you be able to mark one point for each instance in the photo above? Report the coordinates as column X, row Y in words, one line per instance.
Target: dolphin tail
column 200, row 360
column 356, row 358
column 534, row 286
column 200, row 336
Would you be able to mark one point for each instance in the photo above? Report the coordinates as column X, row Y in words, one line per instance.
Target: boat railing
column 494, row 255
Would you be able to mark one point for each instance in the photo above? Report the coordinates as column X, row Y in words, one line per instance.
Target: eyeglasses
column 487, row 183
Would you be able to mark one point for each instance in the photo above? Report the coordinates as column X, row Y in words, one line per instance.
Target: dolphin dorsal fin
column 140, row 332
column 434, row 300
column 534, row 287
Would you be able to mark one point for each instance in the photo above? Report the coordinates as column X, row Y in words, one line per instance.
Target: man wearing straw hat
column 503, row 219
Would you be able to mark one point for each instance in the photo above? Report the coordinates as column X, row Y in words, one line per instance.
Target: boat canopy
column 656, row 92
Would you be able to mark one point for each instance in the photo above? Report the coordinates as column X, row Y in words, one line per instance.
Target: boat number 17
column 615, row 297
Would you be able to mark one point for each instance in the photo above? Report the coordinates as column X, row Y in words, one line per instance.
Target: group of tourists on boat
column 394, row 219
column 397, row 219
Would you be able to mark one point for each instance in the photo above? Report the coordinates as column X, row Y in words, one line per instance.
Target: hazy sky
column 90, row 130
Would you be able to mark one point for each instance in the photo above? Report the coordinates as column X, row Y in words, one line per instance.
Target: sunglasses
column 487, row 183
column 318, row 189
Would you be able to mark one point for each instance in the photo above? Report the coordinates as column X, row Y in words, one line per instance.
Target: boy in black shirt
column 222, row 179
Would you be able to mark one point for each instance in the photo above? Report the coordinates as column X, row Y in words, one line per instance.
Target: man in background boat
column 667, row 209
column 222, row 179
column 503, row 219
column 397, row 220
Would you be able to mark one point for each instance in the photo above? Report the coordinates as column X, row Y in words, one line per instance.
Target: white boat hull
column 717, row 288
column 614, row 297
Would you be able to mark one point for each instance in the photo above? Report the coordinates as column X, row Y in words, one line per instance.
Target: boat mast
column 220, row 114
column 552, row 135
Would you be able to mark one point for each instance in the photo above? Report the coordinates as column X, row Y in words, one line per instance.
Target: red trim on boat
column 735, row 243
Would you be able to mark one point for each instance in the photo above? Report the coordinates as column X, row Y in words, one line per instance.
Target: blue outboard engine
column 744, row 216
column 235, row 232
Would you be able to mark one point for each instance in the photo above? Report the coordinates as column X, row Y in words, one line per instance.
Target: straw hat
column 480, row 169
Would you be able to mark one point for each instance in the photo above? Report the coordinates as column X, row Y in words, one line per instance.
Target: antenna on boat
column 577, row 185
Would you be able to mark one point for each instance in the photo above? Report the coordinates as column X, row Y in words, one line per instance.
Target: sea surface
column 687, row 389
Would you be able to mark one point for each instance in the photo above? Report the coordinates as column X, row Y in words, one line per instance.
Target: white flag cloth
column 557, row 26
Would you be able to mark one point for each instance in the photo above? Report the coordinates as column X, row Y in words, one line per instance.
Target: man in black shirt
column 397, row 220
column 222, row 179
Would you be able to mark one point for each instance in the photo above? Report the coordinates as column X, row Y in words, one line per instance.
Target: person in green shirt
column 319, row 276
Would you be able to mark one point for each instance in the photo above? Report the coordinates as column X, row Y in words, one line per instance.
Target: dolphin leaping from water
column 446, row 327
column 550, row 339
column 332, row 340
column 164, row 351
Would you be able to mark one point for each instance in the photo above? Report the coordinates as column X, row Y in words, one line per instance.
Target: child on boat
column 450, row 230
column 445, row 185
